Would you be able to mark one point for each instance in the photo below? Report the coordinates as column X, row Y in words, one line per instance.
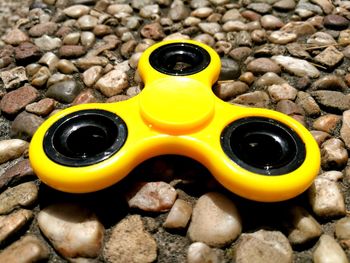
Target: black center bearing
column 179, row 59
column 263, row 146
column 85, row 137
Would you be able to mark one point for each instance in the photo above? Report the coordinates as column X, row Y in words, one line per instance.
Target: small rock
column 229, row 69
column 258, row 99
column 199, row 252
column 179, row 215
column 22, row 195
column 215, row 220
column 178, row 11
column 332, row 100
column 20, row 171
column 288, row 107
column 269, row 79
column 74, row 231
column 282, row 92
column 129, row 242
column 25, row 125
column 329, row 82
column 344, row 37
column 90, row 61
column 261, row 8
column 113, row 83
column 46, row 43
column 202, row 12
column 263, row 65
column 87, row 22
column 281, row 37
column 228, row 89
column 40, row 77
column 334, row 155
column 152, row 196
column 12, row 149
column 13, row 78
column 271, row 22
column 66, row 66
column 114, row 9
column 91, row 75
column 300, row 28
column 284, row 5
column 15, row 37
column 321, row 39
column 71, row 51
column 345, row 128
column 296, row 66
column 326, row 198
column 42, row 108
column 302, row 227
column 64, row 91
column 330, row 57
column 72, row 38
column 12, row 223
column 240, row 53
column 342, row 229
column 210, row 28
column 336, row 22
column 76, row 11
column 16, row 100
column 48, row 28
column 86, row 96
column 328, row 250
column 263, row 247
column 320, row 137
column 233, row 26
column 26, row 53
column 308, row 103
column 153, row 31
column 327, row 123
column 29, row 249
column 87, row 39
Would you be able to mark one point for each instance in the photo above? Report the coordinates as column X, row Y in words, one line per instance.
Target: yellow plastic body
column 177, row 115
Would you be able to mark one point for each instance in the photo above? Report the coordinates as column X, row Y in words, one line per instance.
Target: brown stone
column 71, row 51
column 27, row 52
column 20, row 171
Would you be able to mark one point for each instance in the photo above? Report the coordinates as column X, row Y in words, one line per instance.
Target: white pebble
column 179, row 215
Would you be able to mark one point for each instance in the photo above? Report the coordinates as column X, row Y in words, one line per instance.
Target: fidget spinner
column 256, row 153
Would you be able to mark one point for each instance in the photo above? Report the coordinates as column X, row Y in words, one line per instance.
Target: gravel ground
column 290, row 56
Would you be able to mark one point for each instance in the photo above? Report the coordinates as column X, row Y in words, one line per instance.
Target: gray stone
column 330, row 57
column 64, row 91
column 332, row 100
column 229, row 69
column 308, row 103
column 25, row 125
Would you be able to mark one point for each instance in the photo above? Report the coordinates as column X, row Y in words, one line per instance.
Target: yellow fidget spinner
column 256, row 153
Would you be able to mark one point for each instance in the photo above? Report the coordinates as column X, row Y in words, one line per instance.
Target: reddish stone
column 42, row 107
column 16, row 100
column 20, row 171
column 71, row 51
column 27, row 52
column 86, row 96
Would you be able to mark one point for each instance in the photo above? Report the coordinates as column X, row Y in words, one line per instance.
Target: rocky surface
column 287, row 55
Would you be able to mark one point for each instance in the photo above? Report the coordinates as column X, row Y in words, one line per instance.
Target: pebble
column 215, row 220
column 25, row 125
column 308, row 103
column 342, row 229
column 64, row 91
column 178, row 11
column 87, row 22
column 334, row 155
column 179, row 215
column 199, row 252
column 231, row 26
column 71, row 51
column 240, row 54
column 320, row 137
column 47, row 43
column 153, row 31
column 90, row 61
column 16, row 173
column 284, row 5
column 288, row 107
column 210, row 28
column 65, row 66
column 271, row 22
column 301, row 28
column 73, row 230
column 15, row 37
column 330, row 57
column 12, row 223
column 296, row 66
column 321, row 39
column 261, row 8
column 91, row 75
column 329, row 82
column 263, row 247
column 327, row 123
column 87, row 39
column 29, row 249
column 302, row 227
column 283, row 91
column 332, row 100
column 336, row 22
column 269, row 79
column 48, row 28
column 76, row 11
column 262, row 66
column 26, row 53
column 282, row 37
column 229, row 69
column 328, row 250
column 11, row 149
column 40, row 77
column 326, row 198
column 13, row 78
column 42, row 108
column 129, row 242
column 229, row 89
column 86, row 96
column 72, row 38
column 16, row 100
column 152, row 196
column 58, row 77
column 113, row 83
column 258, row 99
column 22, row 195
column 345, row 128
